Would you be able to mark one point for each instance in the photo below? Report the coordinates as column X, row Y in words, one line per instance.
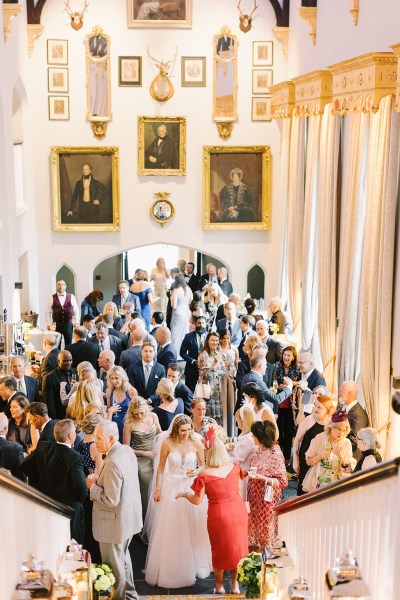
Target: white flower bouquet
column 102, row 578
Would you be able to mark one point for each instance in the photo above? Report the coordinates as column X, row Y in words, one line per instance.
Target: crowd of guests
column 111, row 424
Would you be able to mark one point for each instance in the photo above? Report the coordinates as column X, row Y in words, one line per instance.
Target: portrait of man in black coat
column 162, row 153
column 88, row 197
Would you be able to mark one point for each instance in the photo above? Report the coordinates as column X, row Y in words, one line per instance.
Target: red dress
column 227, row 518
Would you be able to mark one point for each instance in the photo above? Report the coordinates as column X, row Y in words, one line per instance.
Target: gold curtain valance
column 360, row 83
column 312, row 92
column 282, row 100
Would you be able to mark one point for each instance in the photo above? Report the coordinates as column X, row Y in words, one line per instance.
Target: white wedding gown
column 179, row 546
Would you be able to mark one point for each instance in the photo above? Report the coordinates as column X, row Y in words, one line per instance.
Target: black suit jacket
column 83, row 350
column 275, row 350
column 49, row 363
column 130, row 357
column 115, row 346
column 315, row 379
column 358, row 419
column 47, row 435
column 190, row 353
column 138, row 381
column 273, row 400
column 181, row 391
column 11, row 456
column 166, row 356
column 193, row 282
column 51, row 392
column 205, row 280
column 57, row 471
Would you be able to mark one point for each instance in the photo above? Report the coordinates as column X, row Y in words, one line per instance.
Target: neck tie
column 101, row 346
column 201, row 342
column 68, row 386
column 147, row 370
column 230, row 328
column 19, row 386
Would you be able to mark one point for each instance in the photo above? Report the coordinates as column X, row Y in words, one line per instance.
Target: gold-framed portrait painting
column 85, row 188
column 237, row 187
column 162, row 146
column 159, row 14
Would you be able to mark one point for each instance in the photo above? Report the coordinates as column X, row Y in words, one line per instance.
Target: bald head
column 49, row 341
column 348, row 392
column 65, row 360
column 137, row 324
column 137, row 336
column 306, row 362
column 106, row 359
column 163, row 335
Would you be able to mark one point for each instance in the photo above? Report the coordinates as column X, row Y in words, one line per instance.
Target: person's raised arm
column 160, row 471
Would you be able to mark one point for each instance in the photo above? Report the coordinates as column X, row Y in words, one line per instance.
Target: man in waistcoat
column 63, row 310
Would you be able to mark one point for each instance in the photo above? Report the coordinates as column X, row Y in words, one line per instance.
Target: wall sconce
column 344, row 580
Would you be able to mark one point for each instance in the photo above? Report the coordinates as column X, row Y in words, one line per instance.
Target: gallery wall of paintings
column 65, row 62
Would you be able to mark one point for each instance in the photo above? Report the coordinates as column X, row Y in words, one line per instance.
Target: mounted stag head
column 76, row 17
column 245, row 20
column 161, row 88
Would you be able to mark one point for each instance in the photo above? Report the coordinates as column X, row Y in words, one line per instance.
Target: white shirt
column 350, row 406
column 150, row 364
column 62, row 298
column 22, row 383
column 64, row 444
column 44, row 424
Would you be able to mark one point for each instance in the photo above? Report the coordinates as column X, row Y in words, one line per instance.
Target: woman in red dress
column 267, row 469
column 227, row 514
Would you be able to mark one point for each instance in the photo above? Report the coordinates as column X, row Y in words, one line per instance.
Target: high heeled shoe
column 220, row 591
column 235, row 590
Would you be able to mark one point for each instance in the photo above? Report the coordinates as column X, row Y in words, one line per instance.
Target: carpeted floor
column 202, row 587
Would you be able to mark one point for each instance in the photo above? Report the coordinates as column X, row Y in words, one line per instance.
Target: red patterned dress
column 263, row 520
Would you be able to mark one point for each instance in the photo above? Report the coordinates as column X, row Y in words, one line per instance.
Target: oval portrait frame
column 156, row 213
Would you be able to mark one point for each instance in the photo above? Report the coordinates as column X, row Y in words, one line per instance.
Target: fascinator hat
column 340, row 414
column 209, row 438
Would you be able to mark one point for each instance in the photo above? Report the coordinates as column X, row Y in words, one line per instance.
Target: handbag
column 202, row 390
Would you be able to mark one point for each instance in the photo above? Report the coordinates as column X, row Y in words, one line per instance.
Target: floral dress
column 228, row 391
column 211, row 369
column 263, row 520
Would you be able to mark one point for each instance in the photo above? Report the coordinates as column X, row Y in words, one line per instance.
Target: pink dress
column 263, row 520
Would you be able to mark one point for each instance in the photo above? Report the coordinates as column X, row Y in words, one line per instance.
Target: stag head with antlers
column 245, row 20
column 76, row 17
column 161, row 88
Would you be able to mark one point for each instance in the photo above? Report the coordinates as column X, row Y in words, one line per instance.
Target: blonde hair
column 165, row 390
column 85, row 367
column 196, row 401
column 121, row 374
column 177, row 422
column 217, row 456
column 252, row 341
column 87, row 393
column 91, row 408
column 330, row 425
column 90, row 421
column 248, row 417
column 369, row 435
column 136, row 404
column 114, row 307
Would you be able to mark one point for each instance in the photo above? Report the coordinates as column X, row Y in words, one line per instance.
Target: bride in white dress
column 179, row 547
column 181, row 297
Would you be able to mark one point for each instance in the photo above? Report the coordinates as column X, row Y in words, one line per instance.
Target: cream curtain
column 309, row 310
column 284, row 193
column 296, row 219
column 351, row 241
column 327, row 242
column 378, row 258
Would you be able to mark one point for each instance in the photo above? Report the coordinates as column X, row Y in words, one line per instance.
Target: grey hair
column 110, row 429
column 84, row 367
column 369, row 435
column 278, row 301
column 62, row 429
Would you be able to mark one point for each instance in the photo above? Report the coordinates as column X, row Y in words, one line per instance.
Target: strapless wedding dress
column 179, row 547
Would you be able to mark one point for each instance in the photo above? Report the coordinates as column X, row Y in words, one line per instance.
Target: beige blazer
column 117, row 506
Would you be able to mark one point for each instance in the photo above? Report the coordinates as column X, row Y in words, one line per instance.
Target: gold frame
column 124, row 83
column 159, row 23
column 265, row 91
column 162, row 197
column 268, row 62
column 98, row 123
column 142, row 122
column 184, row 81
column 56, row 90
column 64, row 60
column 265, row 187
column 52, row 99
column 85, row 151
column 224, row 119
column 267, row 100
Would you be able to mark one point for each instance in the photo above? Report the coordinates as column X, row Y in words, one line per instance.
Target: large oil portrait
column 161, row 146
column 237, row 187
column 159, row 13
column 85, row 188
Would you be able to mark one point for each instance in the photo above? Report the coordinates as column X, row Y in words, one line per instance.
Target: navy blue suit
column 190, row 353
column 273, row 400
column 115, row 346
column 315, row 379
column 11, row 456
column 166, row 356
column 236, row 331
column 130, row 298
column 32, row 390
column 136, row 378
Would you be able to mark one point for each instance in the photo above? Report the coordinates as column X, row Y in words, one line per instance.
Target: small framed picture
column 59, row 108
column 193, row 71
column 162, row 211
column 261, row 108
column 57, row 52
column 262, row 79
column 129, row 71
column 58, row 79
column 263, row 54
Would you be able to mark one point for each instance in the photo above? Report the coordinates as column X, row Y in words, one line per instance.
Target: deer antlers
column 76, row 17
column 245, row 20
column 251, row 14
column 163, row 66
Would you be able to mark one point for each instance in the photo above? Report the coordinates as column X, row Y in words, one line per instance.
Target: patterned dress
column 228, row 391
column 263, row 520
column 90, row 543
column 211, row 371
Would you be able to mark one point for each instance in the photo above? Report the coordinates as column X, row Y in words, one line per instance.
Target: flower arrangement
column 102, row 578
column 249, row 571
column 273, row 328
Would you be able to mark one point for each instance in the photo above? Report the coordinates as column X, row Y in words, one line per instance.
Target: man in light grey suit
column 117, row 507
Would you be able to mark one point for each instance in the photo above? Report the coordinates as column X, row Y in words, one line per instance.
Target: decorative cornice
column 309, row 14
column 312, row 92
column 360, row 83
column 9, row 12
column 282, row 35
column 282, row 100
column 396, row 52
column 34, row 32
column 354, row 10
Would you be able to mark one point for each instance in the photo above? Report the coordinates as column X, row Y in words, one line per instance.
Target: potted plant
column 102, row 580
column 249, row 571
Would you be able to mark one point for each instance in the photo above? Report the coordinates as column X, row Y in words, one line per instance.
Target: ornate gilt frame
column 85, row 152
column 225, row 119
column 265, row 186
column 159, row 23
column 162, row 197
column 98, row 123
column 142, row 122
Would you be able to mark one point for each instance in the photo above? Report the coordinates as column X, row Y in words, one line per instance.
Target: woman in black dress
column 287, row 367
column 324, row 407
column 367, row 443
